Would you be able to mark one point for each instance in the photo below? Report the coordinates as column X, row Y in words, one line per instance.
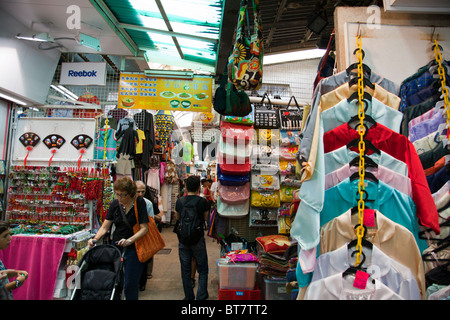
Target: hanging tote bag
column 266, row 117
column 151, row 242
column 291, row 117
column 245, row 67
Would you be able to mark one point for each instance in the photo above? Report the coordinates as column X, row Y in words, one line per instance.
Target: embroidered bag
column 245, row 67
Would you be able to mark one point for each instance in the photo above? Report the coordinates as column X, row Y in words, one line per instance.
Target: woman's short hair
column 4, row 225
column 125, row 184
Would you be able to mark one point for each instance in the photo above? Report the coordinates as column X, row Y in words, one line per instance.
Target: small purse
column 151, row 242
column 290, row 137
column 234, row 194
column 266, row 117
column 232, row 180
column 263, row 217
column 232, row 210
column 265, row 182
column 266, row 199
column 291, row 117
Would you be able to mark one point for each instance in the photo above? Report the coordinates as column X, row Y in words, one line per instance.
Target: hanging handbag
column 151, row 242
column 264, row 182
column 291, row 117
column 266, row 117
column 270, row 199
column 263, row 217
column 229, row 101
column 247, row 120
column 245, row 67
column 232, row 180
column 232, row 210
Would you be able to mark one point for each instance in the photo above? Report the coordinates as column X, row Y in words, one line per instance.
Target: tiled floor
column 166, row 281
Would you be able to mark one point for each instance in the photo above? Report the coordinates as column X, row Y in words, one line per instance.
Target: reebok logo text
column 83, row 73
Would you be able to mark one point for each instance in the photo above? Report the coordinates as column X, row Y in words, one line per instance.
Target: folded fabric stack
column 271, row 254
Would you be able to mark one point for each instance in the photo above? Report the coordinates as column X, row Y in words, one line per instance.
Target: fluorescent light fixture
column 70, row 93
column 89, row 41
column 169, row 74
column 63, row 93
column 40, row 37
column 2, row 95
column 293, row 56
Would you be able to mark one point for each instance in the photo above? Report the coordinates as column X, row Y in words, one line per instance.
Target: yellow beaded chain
column 362, row 148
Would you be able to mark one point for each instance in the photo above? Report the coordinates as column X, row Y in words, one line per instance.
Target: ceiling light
column 40, row 37
column 89, row 41
column 70, row 93
column 62, row 92
column 169, row 74
column 2, row 95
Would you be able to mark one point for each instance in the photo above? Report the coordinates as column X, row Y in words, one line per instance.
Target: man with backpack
column 192, row 214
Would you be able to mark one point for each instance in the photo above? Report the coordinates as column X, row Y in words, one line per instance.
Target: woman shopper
column 123, row 236
column 7, row 286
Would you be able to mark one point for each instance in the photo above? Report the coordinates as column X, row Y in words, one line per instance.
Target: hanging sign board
column 83, row 73
column 137, row 91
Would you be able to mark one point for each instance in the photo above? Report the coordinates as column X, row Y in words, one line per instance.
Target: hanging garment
column 394, row 204
column 423, row 94
column 342, row 156
column 402, row 149
column 418, row 113
column 428, row 159
column 395, row 180
column 145, row 119
column 414, row 83
column 426, row 127
column 438, row 179
column 140, row 141
column 331, row 117
column 124, row 165
column 153, row 178
column 110, row 136
column 393, row 239
column 343, row 92
column 127, row 138
column 336, row 287
column 310, row 123
column 427, row 143
column 344, row 111
column 394, row 275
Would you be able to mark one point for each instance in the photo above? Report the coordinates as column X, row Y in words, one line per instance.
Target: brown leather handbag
column 151, row 242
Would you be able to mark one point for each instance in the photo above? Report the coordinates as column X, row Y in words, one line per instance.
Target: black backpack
column 190, row 229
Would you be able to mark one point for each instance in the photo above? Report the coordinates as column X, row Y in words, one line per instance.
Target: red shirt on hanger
column 401, row 148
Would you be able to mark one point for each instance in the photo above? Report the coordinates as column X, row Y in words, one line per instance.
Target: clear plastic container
column 236, row 275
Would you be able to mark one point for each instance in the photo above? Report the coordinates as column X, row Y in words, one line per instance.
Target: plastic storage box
column 237, row 276
column 275, row 289
column 232, row 294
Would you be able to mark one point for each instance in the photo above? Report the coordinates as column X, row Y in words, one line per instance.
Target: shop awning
column 178, row 33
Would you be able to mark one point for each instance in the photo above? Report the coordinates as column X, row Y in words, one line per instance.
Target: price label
column 361, row 279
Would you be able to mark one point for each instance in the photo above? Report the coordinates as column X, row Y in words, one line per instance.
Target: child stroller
column 100, row 275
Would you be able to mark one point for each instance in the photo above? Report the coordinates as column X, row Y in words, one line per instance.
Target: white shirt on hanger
column 336, row 287
column 383, row 268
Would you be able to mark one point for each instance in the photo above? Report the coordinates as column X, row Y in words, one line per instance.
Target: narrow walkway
column 166, row 282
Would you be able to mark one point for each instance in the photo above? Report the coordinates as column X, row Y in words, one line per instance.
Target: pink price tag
column 360, row 279
column 369, row 218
